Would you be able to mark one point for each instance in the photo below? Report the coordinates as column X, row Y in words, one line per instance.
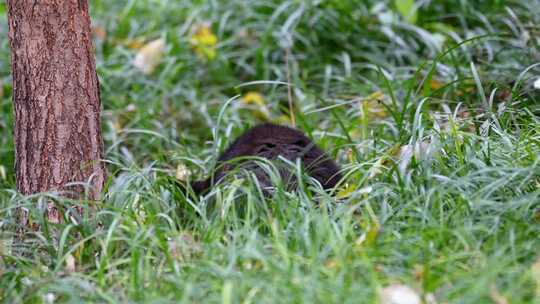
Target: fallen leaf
column 254, row 98
column 255, row 102
column 70, row 263
column 346, row 191
column 399, row 294
column 204, row 41
column 149, row 56
column 182, row 172
column 372, row 107
column 435, row 84
column 132, row 43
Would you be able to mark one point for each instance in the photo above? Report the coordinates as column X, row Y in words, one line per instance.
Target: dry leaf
column 132, row 43
column 435, row 84
column 70, row 263
column 399, row 294
column 372, row 107
column 149, row 56
column 182, row 172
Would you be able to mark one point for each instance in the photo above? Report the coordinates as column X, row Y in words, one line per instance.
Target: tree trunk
column 56, row 99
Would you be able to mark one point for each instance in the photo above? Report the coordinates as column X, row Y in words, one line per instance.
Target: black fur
column 270, row 141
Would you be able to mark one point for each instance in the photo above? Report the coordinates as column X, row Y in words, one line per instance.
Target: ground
column 430, row 108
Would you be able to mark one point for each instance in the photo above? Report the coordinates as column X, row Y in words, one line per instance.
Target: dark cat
column 270, row 141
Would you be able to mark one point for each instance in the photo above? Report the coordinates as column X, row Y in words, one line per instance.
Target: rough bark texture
column 55, row 96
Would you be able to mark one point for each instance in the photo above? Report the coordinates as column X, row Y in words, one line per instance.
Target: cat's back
column 264, row 137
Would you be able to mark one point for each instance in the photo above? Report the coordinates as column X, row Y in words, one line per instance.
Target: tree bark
column 56, row 99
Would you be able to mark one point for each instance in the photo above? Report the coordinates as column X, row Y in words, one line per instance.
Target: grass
column 431, row 114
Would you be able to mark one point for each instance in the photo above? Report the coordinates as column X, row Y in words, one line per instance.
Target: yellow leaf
column 253, row 98
column 133, row 44
column 372, row 106
column 346, row 191
column 149, row 56
column 256, row 103
column 204, row 36
column 378, row 95
column 204, row 41
column 434, row 84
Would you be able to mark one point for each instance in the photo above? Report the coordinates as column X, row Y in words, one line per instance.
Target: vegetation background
column 431, row 108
